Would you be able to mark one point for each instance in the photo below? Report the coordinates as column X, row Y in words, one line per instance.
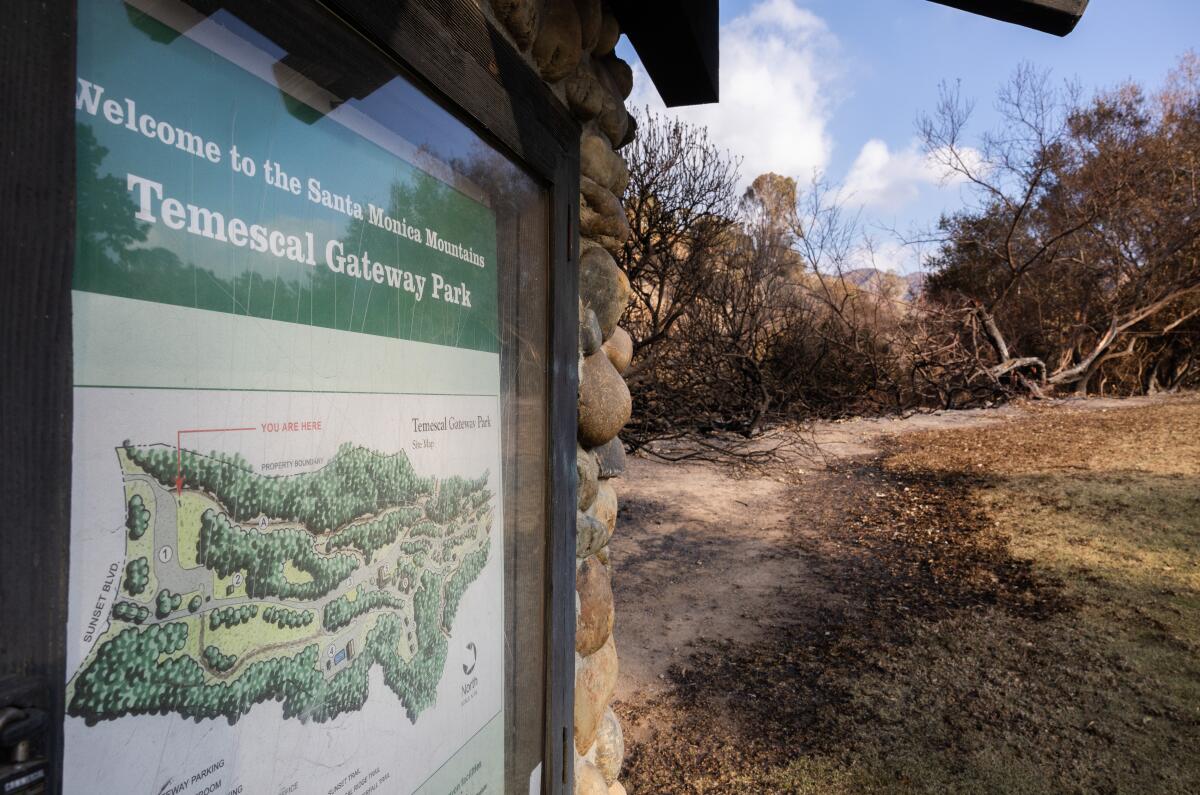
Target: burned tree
column 1081, row 248
column 682, row 204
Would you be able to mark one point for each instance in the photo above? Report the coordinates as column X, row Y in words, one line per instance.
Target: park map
column 240, row 588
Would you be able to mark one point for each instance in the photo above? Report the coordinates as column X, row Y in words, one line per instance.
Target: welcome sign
column 153, row 206
column 355, row 235
column 286, row 563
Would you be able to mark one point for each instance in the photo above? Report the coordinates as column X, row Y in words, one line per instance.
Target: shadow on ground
column 996, row 621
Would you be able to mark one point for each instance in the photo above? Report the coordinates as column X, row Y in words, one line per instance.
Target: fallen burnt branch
column 772, row 446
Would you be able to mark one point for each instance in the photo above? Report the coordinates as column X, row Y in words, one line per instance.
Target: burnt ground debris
column 958, row 640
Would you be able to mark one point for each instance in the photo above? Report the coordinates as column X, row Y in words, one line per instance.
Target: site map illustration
column 239, row 588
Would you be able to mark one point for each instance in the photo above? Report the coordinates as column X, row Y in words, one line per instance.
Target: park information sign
column 286, row 523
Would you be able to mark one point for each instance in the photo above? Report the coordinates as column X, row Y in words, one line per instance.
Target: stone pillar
column 570, row 43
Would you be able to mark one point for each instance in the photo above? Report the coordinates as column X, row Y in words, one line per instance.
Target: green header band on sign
column 237, row 197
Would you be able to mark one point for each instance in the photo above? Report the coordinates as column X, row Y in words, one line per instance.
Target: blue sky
column 836, row 86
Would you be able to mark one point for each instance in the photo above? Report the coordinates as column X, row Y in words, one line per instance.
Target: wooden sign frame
column 460, row 59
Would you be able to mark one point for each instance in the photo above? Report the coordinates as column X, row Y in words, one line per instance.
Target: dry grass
column 1160, row 438
column 1021, row 614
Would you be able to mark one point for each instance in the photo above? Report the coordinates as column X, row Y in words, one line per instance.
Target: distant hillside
column 905, row 287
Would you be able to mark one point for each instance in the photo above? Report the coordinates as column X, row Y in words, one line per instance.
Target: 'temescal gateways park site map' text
column 287, row 495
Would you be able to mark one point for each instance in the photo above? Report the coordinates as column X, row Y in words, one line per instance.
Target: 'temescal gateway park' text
column 154, row 205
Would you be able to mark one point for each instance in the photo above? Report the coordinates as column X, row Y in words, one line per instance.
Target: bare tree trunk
column 1081, row 386
column 1116, row 327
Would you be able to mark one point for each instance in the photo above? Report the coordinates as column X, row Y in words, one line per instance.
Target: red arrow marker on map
column 179, row 451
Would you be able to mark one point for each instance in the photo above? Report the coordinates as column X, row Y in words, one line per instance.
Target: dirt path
column 710, row 550
column 707, row 556
column 760, row 618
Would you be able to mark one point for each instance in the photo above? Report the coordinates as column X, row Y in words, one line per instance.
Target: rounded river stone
column 619, row 348
column 558, row 46
column 591, row 15
column 589, row 780
column 605, row 215
column 593, row 625
column 520, row 17
column 590, row 335
column 603, row 287
column 601, row 164
column 585, row 95
column 614, row 118
column 604, row 507
column 595, row 682
column 610, row 34
column 610, row 746
column 621, row 73
column 611, row 458
column 591, row 535
column 630, row 133
column 587, row 468
column 604, row 401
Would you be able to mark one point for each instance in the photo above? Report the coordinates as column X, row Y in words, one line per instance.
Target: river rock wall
column 570, row 43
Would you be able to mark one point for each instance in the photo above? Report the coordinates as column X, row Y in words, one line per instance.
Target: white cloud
column 778, row 63
column 888, row 180
column 887, row 254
